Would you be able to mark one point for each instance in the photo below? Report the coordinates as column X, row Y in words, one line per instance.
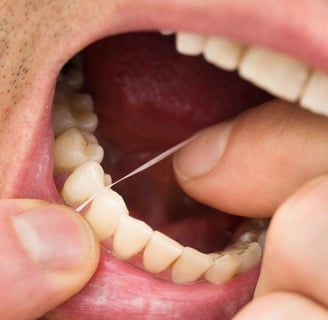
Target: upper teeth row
column 275, row 72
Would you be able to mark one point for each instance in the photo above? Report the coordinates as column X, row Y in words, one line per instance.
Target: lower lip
column 120, row 291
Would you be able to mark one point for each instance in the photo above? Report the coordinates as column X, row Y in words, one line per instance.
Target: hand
column 250, row 166
column 48, row 254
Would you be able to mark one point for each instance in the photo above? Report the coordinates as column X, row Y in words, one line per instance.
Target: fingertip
column 280, row 306
column 54, row 252
column 296, row 254
column 201, row 155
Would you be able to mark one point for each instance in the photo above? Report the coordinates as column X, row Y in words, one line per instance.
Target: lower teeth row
column 78, row 154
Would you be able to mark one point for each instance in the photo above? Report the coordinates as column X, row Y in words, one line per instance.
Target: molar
column 73, row 78
column 251, row 257
column 75, row 147
column 75, row 112
column 261, row 238
column 82, row 102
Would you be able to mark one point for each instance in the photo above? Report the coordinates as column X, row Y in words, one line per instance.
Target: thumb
column 48, row 254
column 251, row 164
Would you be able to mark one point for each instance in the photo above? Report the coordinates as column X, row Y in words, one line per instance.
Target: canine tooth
column 190, row 266
column 130, row 237
column 224, row 268
column 74, row 147
column 250, row 257
column 188, row 43
column 160, row 252
column 315, row 95
column 83, row 182
column 275, row 72
column 74, row 78
column 223, row 53
column 105, row 212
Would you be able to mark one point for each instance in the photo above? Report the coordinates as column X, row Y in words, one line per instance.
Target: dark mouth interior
column 148, row 98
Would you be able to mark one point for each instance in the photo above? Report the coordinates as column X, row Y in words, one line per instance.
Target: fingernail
column 54, row 237
column 200, row 156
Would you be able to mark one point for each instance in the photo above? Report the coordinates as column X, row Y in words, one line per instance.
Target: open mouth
column 164, row 255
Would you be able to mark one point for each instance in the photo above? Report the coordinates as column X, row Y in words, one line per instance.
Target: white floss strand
column 143, row 167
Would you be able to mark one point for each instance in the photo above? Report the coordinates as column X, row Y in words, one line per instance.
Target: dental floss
column 143, row 167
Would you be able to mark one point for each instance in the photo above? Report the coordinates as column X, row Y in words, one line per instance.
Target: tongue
column 148, row 97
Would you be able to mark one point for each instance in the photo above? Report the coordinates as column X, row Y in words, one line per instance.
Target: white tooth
column 86, row 120
column 223, row 53
column 224, row 268
column 74, row 78
column 82, row 106
column 275, row 72
column 73, row 148
column 189, row 43
column 251, row 257
column 247, row 237
column 82, row 102
column 130, row 237
column 79, row 115
column 105, row 212
column 83, row 182
column 160, row 252
column 315, row 95
column 190, row 266
column 62, row 118
column 261, row 239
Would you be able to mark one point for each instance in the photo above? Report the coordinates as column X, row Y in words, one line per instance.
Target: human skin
column 38, row 37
